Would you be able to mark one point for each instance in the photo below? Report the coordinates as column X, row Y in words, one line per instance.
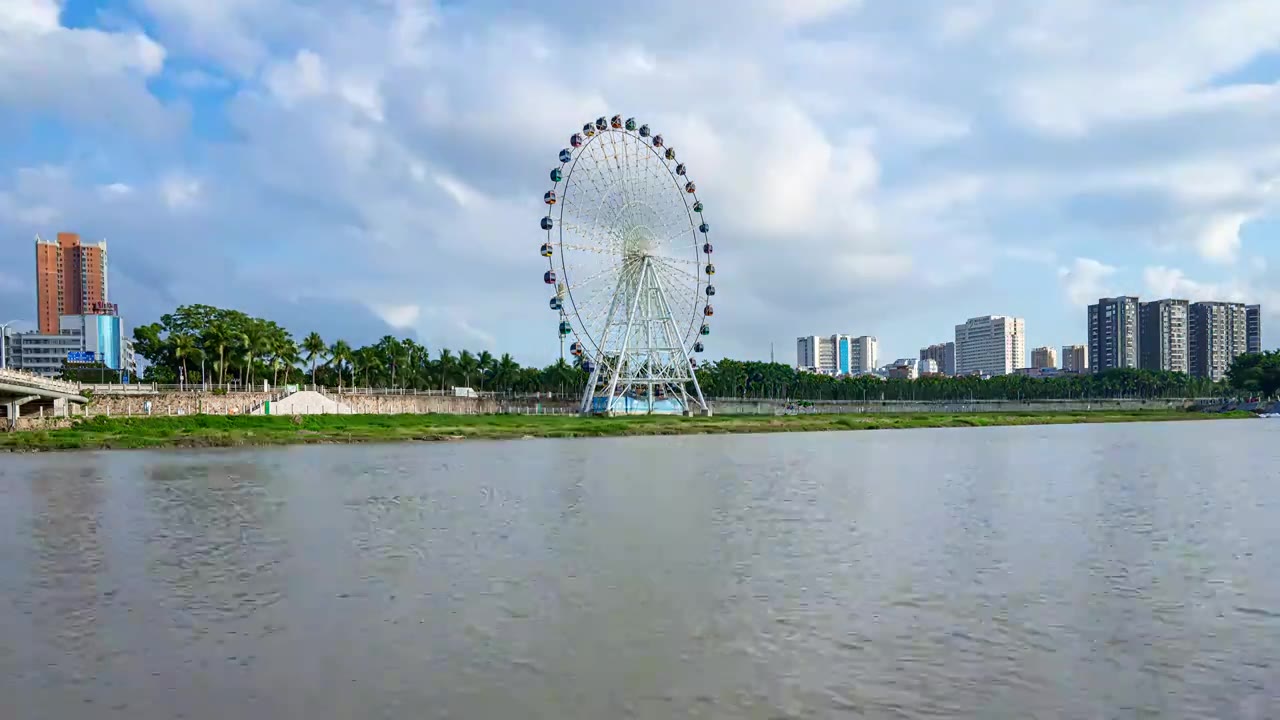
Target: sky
column 364, row 167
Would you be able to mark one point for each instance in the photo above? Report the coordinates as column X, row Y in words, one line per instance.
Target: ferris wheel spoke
column 593, row 236
column 666, row 265
column 584, row 248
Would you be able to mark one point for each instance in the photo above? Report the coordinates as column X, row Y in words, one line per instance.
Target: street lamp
column 4, row 330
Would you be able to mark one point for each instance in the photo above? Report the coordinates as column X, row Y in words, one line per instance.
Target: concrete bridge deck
column 26, row 394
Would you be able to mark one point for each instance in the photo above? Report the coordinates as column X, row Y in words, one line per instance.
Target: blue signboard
column 87, row 356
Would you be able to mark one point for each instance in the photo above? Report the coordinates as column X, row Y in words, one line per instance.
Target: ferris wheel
column 630, row 264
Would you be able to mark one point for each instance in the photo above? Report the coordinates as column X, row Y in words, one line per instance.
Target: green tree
column 446, row 367
column 485, row 364
column 313, row 345
column 219, row 337
column 467, row 365
column 1255, row 373
column 506, row 372
column 284, row 356
column 185, row 347
column 339, row 355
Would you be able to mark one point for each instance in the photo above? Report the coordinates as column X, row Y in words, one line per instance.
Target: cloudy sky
column 880, row 167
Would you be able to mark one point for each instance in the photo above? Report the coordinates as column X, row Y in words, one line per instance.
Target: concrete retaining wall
column 307, row 402
column 191, row 403
column 36, row 423
column 773, row 407
column 448, row 404
column 175, row 403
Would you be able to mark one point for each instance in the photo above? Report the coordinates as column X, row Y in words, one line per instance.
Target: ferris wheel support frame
column 636, row 363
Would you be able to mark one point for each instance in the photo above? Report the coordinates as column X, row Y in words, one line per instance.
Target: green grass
column 222, row 431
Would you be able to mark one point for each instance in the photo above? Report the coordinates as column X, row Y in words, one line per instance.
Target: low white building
column 45, row 354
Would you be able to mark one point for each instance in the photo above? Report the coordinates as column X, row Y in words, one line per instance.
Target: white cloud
column 84, row 75
column 180, row 191
column 845, row 149
column 399, row 316
column 1086, row 280
column 115, row 190
column 30, row 16
column 1043, row 256
column 1219, row 240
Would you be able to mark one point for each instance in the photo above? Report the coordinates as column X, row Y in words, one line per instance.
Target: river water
column 1101, row 571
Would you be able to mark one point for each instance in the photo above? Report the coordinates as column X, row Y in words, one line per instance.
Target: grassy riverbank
column 219, row 431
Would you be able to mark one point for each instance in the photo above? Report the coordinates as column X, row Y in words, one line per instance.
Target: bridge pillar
column 14, row 408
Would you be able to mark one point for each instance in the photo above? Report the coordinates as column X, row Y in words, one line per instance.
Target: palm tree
column 486, row 365
column 315, row 348
column 257, row 342
column 284, row 353
column 413, row 365
column 446, row 366
column 369, row 360
column 218, row 336
column 338, row 354
column 505, row 372
column 467, row 364
column 184, row 346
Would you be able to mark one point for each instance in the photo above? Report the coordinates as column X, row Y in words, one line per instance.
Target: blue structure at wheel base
column 623, row 405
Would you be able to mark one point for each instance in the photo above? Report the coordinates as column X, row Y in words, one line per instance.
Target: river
column 1090, row 571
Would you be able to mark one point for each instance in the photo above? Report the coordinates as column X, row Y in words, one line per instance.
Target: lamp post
column 4, row 334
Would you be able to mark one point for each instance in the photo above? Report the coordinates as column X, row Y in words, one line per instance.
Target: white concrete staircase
column 305, row 402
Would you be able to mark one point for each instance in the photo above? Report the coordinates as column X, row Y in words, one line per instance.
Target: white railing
column 21, row 377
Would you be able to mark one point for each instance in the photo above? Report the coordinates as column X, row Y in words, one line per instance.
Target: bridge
column 26, row 394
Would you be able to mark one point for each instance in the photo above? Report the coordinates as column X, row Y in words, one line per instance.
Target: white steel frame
column 630, row 271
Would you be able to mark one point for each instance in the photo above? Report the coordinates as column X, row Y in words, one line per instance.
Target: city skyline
column 369, row 167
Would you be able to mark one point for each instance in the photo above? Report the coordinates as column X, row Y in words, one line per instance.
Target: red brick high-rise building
column 71, row 279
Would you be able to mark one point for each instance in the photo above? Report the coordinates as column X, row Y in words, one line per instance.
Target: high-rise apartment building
column 1044, row 357
column 943, row 354
column 813, row 353
column 990, row 345
column 837, row 354
column 1075, row 358
column 71, row 279
column 1162, row 335
column 1113, row 333
column 1253, row 328
column 1218, row 334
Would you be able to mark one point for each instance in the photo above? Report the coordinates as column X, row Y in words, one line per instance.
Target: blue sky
column 871, row 167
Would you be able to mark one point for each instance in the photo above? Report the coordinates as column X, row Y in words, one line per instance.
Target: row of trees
column 1256, row 373
column 732, row 378
column 203, row 344
column 198, row 344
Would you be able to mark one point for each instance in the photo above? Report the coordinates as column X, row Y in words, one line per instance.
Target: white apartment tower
column 837, row 354
column 991, row 345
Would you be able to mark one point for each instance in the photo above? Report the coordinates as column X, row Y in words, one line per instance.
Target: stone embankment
column 774, row 407
column 308, row 402
column 175, row 403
